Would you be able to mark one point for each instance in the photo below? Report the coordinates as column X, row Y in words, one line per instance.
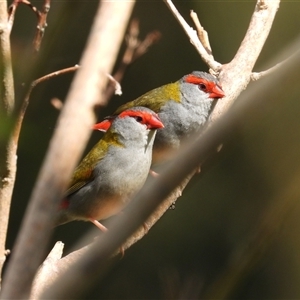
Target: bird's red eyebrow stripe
column 129, row 113
column 194, row 79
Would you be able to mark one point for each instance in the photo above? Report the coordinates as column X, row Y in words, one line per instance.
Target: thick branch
column 6, row 75
column 77, row 117
column 236, row 75
column 7, row 146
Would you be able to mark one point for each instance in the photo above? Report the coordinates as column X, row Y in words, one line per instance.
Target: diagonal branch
column 192, row 34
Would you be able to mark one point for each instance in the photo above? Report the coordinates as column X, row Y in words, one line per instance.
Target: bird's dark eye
column 139, row 119
column 202, row 87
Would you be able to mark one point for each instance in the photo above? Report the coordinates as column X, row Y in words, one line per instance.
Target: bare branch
column 19, row 122
column 202, row 33
column 257, row 75
column 239, row 70
column 42, row 24
column 6, row 75
column 77, row 115
column 117, row 85
column 41, row 16
column 7, row 146
column 135, row 49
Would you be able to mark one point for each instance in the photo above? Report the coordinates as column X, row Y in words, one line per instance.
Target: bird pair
column 139, row 133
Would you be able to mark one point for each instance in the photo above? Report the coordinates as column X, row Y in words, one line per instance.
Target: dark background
column 187, row 250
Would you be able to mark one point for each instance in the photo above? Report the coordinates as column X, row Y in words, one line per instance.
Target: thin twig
column 117, row 85
column 41, row 16
column 257, row 75
column 202, row 33
column 13, row 7
column 135, row 49
column 19, row 122
column 41, row 26
column 192, row 34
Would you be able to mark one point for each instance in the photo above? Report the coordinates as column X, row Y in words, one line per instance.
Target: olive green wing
column 84, row 173
column 154, row 99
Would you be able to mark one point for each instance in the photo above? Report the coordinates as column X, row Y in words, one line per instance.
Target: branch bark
column 76, row 116
column 7, row 146
column 239, row 70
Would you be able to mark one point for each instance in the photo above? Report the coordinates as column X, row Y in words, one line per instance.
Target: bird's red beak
column 154, row 122
column 216, row 92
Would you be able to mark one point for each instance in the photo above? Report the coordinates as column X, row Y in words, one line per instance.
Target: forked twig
column 41, row 16
column 20, row 118
column 135, row 49
column 192, row 34
column 257, row 75
column 202, row 33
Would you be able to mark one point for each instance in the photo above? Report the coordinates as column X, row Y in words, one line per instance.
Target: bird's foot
column 99, row 225
column 153, row 173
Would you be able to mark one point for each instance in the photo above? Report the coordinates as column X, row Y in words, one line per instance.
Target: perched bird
column 183, row 107
column 113, row 170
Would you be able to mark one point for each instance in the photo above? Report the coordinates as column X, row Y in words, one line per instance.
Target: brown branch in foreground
column 77, row 115
column 49, row 266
